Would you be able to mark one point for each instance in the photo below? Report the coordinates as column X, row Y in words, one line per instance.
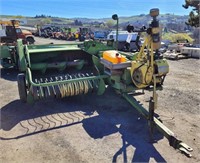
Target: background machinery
column 84, row 33
column 10, row 32
column 58, row 71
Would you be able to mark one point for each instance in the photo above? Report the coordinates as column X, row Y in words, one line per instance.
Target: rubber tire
column 22, row 87
column 30, row 40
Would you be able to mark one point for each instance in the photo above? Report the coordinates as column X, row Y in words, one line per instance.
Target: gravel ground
column 104, row 128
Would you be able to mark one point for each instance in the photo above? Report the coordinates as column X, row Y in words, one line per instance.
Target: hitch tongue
column 188, row 148
column 184, row 148
column 185, row 151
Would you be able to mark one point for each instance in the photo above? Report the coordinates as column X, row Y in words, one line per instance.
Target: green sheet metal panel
column 4, row 51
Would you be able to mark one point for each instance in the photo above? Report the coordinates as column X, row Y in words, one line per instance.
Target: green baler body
column 7, row 59
column 51, row 66
column 4, row 51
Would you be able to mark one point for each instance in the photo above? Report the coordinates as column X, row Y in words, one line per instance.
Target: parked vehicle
column 122, row 37
column 10, row 32
column 100, row 35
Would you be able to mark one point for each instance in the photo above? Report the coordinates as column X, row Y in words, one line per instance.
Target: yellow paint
column 9, row 23
column 114, row 56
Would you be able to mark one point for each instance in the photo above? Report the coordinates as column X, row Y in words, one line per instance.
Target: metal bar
column 136, row 105
column 63, row 81
column 151, row 118
column 28, row 55
column 117, row 33
column 53, row 49
column 173, row 140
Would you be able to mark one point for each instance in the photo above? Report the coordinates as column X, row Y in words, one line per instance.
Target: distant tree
column 194, row 15
column 196, row 35
column 19, row 16
column 173, row 37
column 103, row 26
column 141, row 15
column 110, row 23
column 42, row 16
column 44, row 21
column 78, row 23
column 185, row 28
column 165, row 30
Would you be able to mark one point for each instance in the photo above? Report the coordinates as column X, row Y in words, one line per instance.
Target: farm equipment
column 174, row 51
column 122, row 36
column 10, row 32
column 100, row 35
column 193, row 52
column 84, row 33
column 55, row 32
column 58, row 71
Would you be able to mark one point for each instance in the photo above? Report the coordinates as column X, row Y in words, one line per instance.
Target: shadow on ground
column 99, row 115
column 9, row 74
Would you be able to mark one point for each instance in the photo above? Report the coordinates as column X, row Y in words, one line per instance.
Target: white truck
column 122, row 39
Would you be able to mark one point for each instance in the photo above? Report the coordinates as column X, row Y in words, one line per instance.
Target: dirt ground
column 103, row 128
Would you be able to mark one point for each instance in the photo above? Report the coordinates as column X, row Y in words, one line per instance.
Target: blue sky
column 89, row 8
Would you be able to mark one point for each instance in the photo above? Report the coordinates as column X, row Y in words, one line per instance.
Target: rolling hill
column 137, row 20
